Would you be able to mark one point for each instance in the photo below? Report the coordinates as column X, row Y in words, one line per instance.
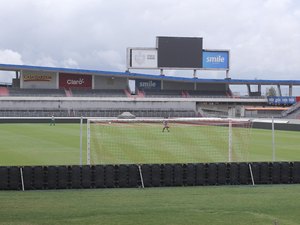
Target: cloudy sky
column 263, row 36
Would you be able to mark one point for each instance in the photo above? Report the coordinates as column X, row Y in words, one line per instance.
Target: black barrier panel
column 256, row 172
column 178, row 175
column 222, row 173
column 123, row 176
column 27, row 177
column 244, row 177
column 190, row 174
column 63, row 177
column 109, row 176
column 264, row 173
column 38, row 177
column 296, row 173
column 3, row 178
column 147, row 175
column 285, row 173
column 156, row 175
column 233, row 173
column 133, row 176
column 14, row 178
column 86, row 176
column 99, row 176
column 51, row 178
column 167, row 175
column 275, row 172
column 212, row 174
column 200, row 174
column 76, row 177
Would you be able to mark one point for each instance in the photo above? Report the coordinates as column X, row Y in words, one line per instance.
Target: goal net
column 180, row 140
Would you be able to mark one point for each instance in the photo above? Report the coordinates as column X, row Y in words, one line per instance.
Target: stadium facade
column 79, row 91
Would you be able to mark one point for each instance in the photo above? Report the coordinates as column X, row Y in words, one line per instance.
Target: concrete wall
column 211, row 87
column 110, row 82
column 170, row 85
column 96, row 104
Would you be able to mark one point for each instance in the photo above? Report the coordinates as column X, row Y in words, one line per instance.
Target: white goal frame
column 227, row 121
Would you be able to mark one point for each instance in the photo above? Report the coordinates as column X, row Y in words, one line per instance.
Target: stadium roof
column 11, row 67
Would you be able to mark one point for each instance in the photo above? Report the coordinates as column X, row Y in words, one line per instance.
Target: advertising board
column 67, row 80
column 142, row 58
column 215, row 59
column 38, row 79
column 277, row 100
column 179, row 52
column 148, row 84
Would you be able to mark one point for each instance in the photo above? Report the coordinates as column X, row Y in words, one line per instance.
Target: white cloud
column 8, row 56
column 263, row 36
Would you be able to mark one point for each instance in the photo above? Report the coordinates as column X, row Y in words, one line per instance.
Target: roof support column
column 279, row 90
column 290, row 90
column 249, row 89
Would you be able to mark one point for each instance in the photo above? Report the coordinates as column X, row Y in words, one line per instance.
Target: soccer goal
column 187, row 140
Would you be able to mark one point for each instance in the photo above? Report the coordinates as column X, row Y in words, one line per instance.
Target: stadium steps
column 141, row 93
column 68, row 92
column 4, row 91
column 291, row 110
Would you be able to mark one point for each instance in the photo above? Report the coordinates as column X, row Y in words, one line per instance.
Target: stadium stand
column 98, row 93
column 292, row 112
column 36, row 92
column 4, row 91
column 206, row 93
column 97, row 113
column 164, row 93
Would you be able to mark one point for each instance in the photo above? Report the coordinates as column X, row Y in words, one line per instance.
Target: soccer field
column 41, row 144
column 238, row 205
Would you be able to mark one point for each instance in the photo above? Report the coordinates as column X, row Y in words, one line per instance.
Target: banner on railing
column 276, row 100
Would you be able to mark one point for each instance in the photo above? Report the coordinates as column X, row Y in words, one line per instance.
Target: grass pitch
column 234, row 205
column 41, row 144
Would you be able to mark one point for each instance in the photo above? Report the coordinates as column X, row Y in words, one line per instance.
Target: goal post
column 187, row 140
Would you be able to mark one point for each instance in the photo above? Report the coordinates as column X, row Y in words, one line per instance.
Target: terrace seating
column 200, row 93
column 98, row 93
column 164, row 93
column 36, row 92
column 33, row 113
column 96, row 113
column 4, row 91
column 136, row 112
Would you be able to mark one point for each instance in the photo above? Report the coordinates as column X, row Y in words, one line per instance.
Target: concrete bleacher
column 4, row 91
column 164, row 93
column 36, row 92
column 97, row 113
column 98, row 93
column 34, row 113
column 206, row 93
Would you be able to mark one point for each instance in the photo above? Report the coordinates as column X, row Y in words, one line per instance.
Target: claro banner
column 67, row 80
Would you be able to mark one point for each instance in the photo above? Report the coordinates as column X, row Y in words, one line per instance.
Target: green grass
column 41, row 144
column 239, row 205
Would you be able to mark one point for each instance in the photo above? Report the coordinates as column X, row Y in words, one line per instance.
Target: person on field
column 52, row 122
column 165, row 126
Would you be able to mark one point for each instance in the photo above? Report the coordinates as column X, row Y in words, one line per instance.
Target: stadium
column 64, row 128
